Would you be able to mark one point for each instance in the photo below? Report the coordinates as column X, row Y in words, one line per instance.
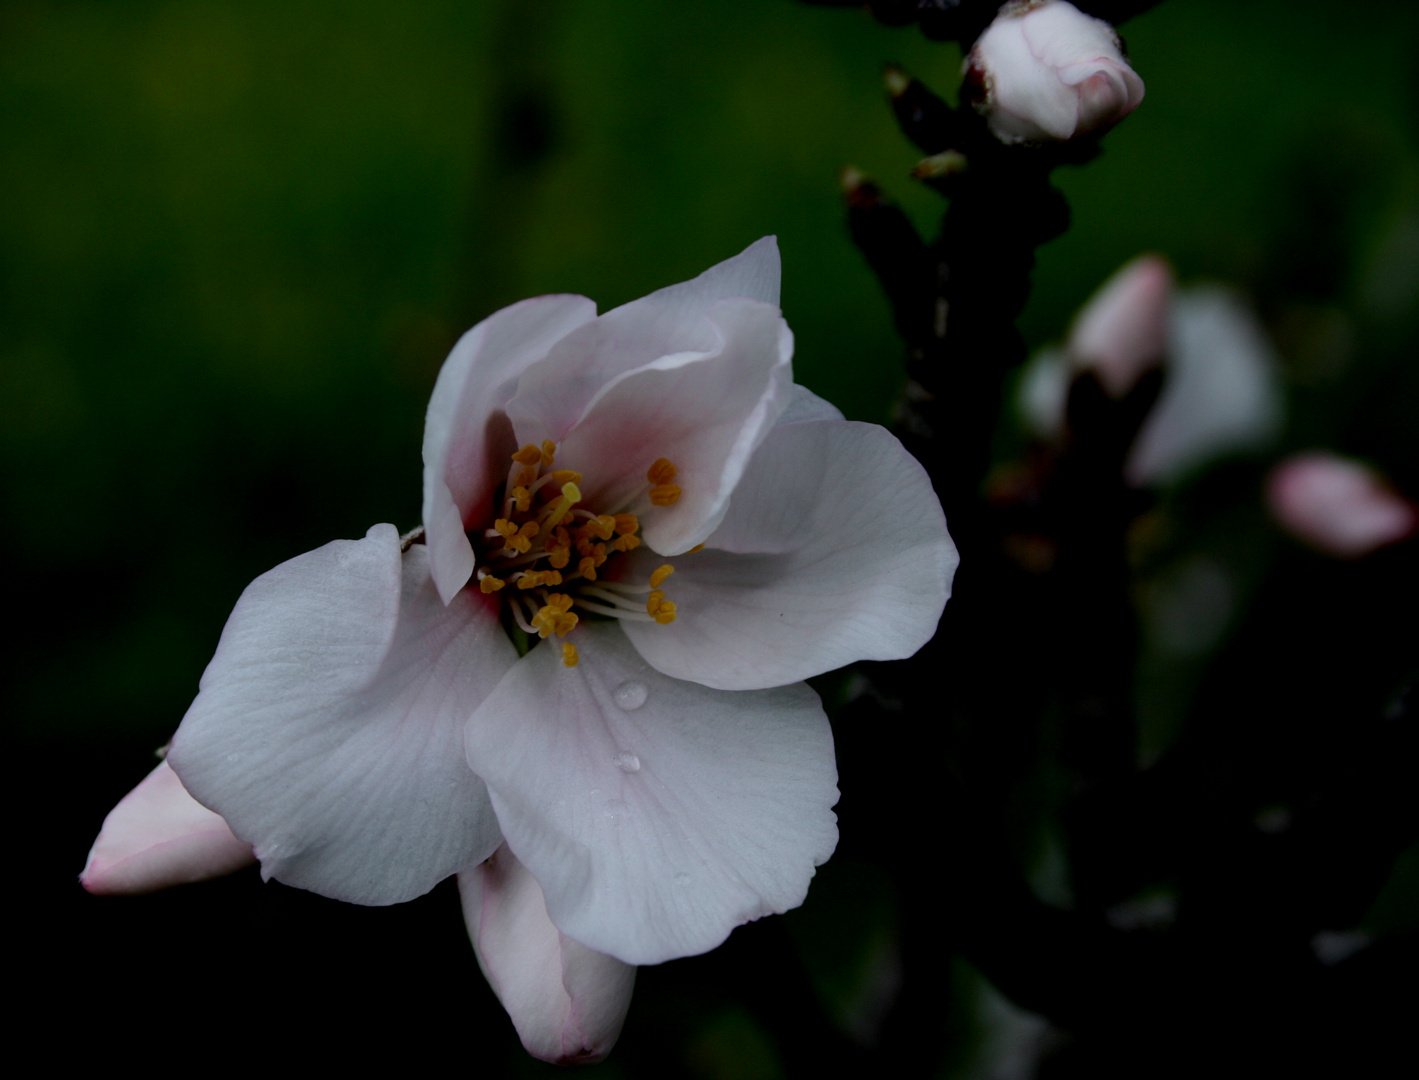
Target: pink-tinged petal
column 1123, row 330
column 834, row 550
column 159, row 836
column 467, row 437
column 657, row 815
column 705, row 412
column 567, row 1002
column 1337, row 505
column 328, row 727
column 1221, row 393
column 553, row 396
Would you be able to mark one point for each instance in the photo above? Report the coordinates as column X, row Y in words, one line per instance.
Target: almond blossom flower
column 640, row 537
column 1044, row 71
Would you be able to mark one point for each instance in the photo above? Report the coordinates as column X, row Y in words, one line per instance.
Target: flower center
column 548, row 539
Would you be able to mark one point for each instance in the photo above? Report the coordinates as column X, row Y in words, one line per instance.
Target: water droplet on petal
column 627, row 761
column 630, row 695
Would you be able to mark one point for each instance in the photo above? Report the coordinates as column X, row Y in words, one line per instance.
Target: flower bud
column 159, row 836
column 1045, row 71
column 1123, row 330
column 1338, row 506
column 566, row 1001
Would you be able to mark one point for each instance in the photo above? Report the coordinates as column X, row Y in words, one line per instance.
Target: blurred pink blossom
column 1338, row 505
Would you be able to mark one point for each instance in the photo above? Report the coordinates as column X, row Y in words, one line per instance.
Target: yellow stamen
column 662, row 472
column 665, row 614
column 529, row 529
column 490, row 584
column 604, row 526
column 653, row 602
column 549, row 452
column 522, row 499
column 626, row 543
column 665, row 495
column 697, row 547
column 565, row 476
column 559, row 557
column 626, row 524
column 526, row 477
column 569, row 656
column 528, row 455
column 506, row 527
column 657, row 579
column 587, row 568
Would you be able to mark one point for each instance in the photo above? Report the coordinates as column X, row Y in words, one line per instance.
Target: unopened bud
column 1044, row 71
column 1123, row 330
column 1337, row 505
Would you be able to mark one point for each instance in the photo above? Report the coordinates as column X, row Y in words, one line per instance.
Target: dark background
column 236, row 242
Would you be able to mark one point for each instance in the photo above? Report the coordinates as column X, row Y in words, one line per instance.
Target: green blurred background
column 238, row 239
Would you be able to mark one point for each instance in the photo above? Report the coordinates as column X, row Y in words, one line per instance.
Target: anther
column 522, row 499
column 528, row 455
column 665, row 614
column 549, row 452
column 653, row 601
column 626, row 524
column 662, row 472
column 626, row 543
column 490, row 584
column 665, row 495
column 697, row 547
column 658, row 577
column 569, row 656
column 526, row 478
column 565, row 476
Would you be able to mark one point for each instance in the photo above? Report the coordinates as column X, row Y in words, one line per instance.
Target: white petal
column 567, row 1002
column 834, row 550
column 657, row 815
column 467, row 439
column 159, row 836
column 1221, row 392
column 328, row 727
column 1042, row 393
column 555, row 394
column 705, row 412
column 803, row 405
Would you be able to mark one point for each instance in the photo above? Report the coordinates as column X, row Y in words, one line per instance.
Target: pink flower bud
column 1123, row 330
column 1338, row 506
column 567, row 1001
column 1044, row 71
column 159, row 836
